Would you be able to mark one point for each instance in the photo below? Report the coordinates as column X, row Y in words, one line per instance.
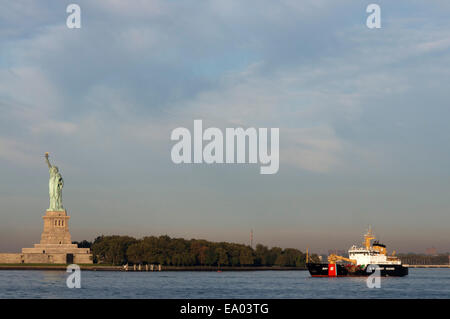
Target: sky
column 363, row 117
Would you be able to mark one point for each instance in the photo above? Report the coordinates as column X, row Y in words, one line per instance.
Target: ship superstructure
column 372, row 254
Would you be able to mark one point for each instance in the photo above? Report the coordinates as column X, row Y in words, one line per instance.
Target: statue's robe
column 55, row 185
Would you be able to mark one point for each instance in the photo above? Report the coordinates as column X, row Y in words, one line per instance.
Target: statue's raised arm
column 46, row 159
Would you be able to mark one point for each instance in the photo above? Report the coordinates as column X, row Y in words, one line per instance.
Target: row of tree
column 168, row 251
column 419, row 259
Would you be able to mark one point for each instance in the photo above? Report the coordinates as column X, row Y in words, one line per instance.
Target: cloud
column 314, row 149
column 104, row 99
column 437, row 45
column 132, row 78
column 29, row 90
column 16, row 152
column 54, row 127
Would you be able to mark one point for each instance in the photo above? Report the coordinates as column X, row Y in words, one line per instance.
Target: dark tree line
column 419, row 259
column 168, row 251
column 83, row 244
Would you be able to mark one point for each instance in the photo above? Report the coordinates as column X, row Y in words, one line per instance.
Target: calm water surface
column 421, row 283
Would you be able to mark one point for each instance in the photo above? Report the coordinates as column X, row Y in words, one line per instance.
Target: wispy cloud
column 15, row 152
column 346, row 98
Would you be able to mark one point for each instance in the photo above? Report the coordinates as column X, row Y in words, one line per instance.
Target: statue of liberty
column 55, row 186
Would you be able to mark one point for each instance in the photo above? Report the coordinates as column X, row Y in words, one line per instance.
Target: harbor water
column 420, row 283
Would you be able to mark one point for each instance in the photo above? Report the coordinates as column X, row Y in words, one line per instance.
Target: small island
column 178, row 254
column 56, row 248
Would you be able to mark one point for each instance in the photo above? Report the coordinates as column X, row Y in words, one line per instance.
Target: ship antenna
column 368, row 237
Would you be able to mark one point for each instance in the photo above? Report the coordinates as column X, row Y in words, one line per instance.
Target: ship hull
column 342, row 270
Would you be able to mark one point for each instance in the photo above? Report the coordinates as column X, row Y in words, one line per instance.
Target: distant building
column 431, row 251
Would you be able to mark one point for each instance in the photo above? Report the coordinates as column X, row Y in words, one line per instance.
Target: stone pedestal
column 56, row 228
column 56, row 244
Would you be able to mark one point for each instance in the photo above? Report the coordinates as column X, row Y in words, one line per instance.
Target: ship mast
column 368, row 237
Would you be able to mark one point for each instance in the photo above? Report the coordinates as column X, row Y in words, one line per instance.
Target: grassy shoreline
column 96, row 267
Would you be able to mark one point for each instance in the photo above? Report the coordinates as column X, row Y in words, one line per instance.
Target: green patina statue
column 55, row 186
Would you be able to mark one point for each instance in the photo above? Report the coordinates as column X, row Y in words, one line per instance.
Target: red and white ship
column 361, row 261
